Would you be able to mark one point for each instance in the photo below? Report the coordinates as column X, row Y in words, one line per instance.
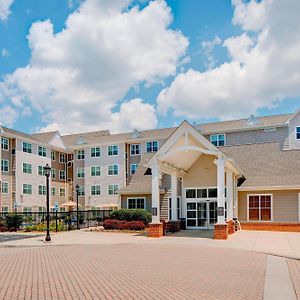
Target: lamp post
column 47, row 170
column 77, row 194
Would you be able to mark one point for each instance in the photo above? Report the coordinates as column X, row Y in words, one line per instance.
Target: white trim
column 139, row 149
column 144, row 198
column 217, row 134
column 135, row 169
column 268, row 188
column 95, row 167
column 296, row 127
column 4, row 182
column 262, row 194
column 23, row 162
column 81, row 150
column 96, row 194
column 7, row 166
column 100, row 150
column 151, row 141
column 8, row 143
column 112, row 184
column 113, row 145
column 113, row 174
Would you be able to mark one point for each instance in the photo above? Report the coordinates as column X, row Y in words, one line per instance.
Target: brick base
column 231, row 227
column 221, row 232
column 271, row 226
column 155, row 230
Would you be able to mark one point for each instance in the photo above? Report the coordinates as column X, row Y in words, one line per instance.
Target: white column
column 221, row 188
column 155, row 194
column 174, row 196
column 229, row 189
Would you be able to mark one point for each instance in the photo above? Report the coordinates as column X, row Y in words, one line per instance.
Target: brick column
column 231, row 226
column 155, row 230
column 221, row 232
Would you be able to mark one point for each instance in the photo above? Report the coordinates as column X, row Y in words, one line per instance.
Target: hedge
column 123, row 225
column 125, row 214
column 13, row 221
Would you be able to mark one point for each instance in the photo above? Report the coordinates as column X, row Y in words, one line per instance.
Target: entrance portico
column 207, row 181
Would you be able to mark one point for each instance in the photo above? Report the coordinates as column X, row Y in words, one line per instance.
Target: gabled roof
column 11, row 132
column 293, row 115
column 253, row 121
column 45, row 137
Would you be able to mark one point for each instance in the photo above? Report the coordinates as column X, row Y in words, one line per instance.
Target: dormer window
column 298, row 133
column 218, row 139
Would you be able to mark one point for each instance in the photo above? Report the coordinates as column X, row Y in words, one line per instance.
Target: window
column 53, row 191
column 62, row 192
column 259, row 207
column 95, row 152
column 152, row 146
column 53, row 155
column 113, row 189
column 5, row 208
column 80, row 172
column 113, row 170
column 27, row 209
column 80, row 154
column 134, row 203
column 95, row 190
column 133, row 168
column 4, row 144
column 81, row 191
column 170, row 208
column 4, row 165
column 4, row 187
column 190, row 193
column 27, row 189
column 298, row 133
column 62, row 175
column 95, row 171
column 27, row 168
column 27, row 147
column 42, row 190
column 41, row 151
column 201, row 193
column 62, row 157
column 41, row 171
column 135, row 149
column 41, row 209
column 53, row 173
column 218, row 139
column 213, row 193
column 112, row 150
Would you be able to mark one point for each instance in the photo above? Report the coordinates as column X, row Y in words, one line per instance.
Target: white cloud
column 76, row 77
column 264, row 68
column 5, row 52
column 5, row 9
column 8, row 115
column 207, row 50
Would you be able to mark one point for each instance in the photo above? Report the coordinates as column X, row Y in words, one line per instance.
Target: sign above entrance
column 220, row 211
column 154, row 211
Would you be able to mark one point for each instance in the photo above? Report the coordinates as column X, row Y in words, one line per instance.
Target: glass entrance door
column 201, row 214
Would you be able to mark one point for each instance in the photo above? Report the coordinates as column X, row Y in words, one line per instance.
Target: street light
column 47, row 170
column 77, row 194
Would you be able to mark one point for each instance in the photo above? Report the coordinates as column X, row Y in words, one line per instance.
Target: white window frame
column 43, row 151
column 43, row 190
column 259, row 208
column 131, row 168
column 113, row 190
column 27, row 184
column 2, row 169
column 92, row 171
column 6, row 208
column 81, row 191
column 27, row 165
column 53, row 173
column 95, row 152
column 218, row 139
column 80, row 177
column 27, row 143
column 151, row 146
column 60, row 177
column 2, row 187
column 297, row 128
column 2, row 143
column 53, row 155
column 62, row 161
column 53, row 191
column 95, row 185
column 113, row 174
column 135, row 198
column 112, row 154
column 62, row 189
column 80, row 154
column 132, row 146
column 38, row 170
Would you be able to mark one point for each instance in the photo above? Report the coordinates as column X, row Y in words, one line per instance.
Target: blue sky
column 197, row 95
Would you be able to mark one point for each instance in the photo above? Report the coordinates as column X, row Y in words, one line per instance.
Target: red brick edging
column 221, row 232
column 271, row 226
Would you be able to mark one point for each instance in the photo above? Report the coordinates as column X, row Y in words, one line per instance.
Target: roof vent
column 80, row 141
column 252, row 121
column 135, row 134
column 197, row 127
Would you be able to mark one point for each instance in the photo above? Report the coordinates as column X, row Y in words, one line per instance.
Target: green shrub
column 125, row 214
column 13, row 220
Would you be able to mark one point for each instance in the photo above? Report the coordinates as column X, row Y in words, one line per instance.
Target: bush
column 131, row 215
column 114, row 224
column 3, row 229
column 14, row 221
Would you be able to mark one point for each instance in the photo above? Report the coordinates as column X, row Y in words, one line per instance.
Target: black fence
column 59, row 221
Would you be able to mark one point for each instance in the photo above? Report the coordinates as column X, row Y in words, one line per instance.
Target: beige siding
column 285, row 204
column 202, row 173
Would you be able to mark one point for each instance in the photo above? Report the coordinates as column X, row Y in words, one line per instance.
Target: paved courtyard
column 94, row 265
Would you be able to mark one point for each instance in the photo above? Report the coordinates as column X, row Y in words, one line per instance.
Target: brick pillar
column 221, row 232
column 231, row 226
column 155, row 230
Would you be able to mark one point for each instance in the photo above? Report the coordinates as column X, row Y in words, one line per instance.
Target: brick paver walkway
column 127, row 271
column 294, row 267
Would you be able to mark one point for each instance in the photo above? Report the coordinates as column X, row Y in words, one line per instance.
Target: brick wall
column 271, row 226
